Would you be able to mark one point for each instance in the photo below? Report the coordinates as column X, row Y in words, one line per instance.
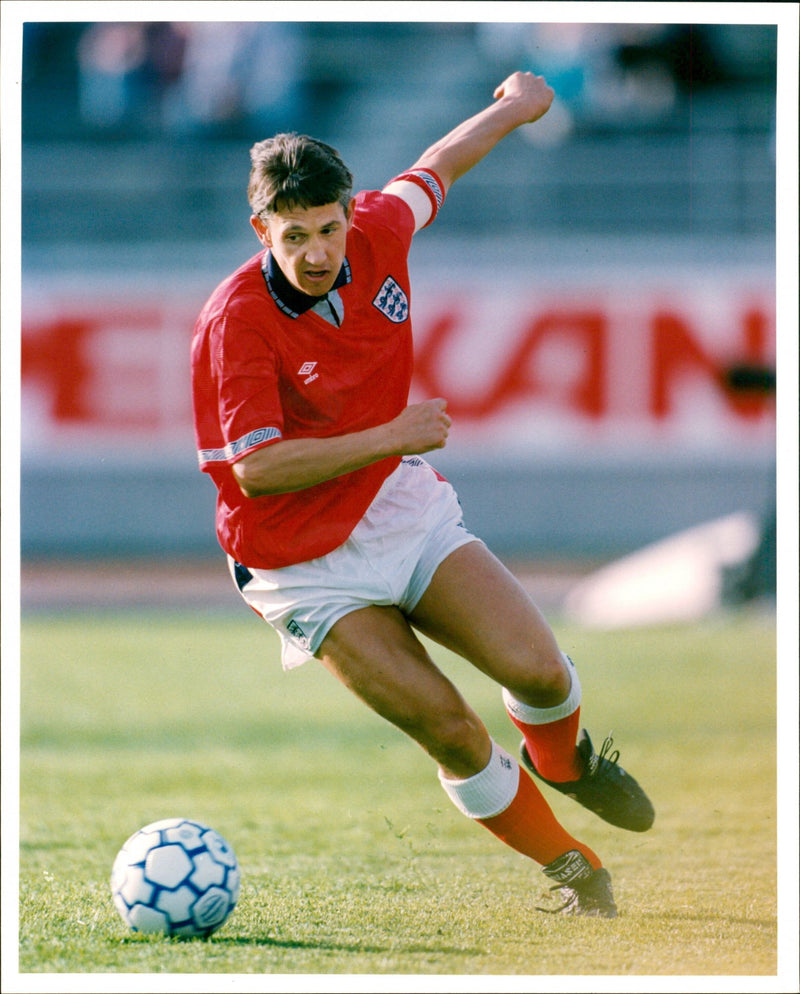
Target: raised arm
column 520, row 99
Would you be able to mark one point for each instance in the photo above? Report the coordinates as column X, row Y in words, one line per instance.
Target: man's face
column 307, row 243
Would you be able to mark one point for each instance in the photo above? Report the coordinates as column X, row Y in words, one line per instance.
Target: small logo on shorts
column 297, row 633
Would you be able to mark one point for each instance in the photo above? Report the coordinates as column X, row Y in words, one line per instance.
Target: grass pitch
column 354, row 862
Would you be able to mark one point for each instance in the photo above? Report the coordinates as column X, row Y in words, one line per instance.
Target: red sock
column 551, row 733
column 529, row 826
column 552, row 747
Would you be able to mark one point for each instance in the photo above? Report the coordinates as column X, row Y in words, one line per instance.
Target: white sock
column 489, row 792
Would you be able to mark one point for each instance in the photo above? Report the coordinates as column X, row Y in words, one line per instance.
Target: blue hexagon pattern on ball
column 176, row 876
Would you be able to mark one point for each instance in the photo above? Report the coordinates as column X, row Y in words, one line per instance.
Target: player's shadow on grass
column 340, row 947
column 707, row 918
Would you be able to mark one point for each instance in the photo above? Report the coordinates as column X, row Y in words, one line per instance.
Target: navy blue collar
column 291, row 300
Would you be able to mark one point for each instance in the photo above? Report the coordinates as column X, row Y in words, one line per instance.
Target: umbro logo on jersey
column 307, row 370
column 392, row 301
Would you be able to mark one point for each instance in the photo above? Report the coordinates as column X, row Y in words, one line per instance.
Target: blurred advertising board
column 630, row 366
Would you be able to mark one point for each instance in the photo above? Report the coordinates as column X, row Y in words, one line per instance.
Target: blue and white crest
column 392, row 301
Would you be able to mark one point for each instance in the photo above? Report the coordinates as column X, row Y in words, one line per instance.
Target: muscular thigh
column 375, row 653
column 478, row 609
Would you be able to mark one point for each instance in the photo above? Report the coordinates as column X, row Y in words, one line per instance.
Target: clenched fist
column 531, row 93
column 421, row 427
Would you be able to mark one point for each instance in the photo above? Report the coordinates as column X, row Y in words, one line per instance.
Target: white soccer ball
column 176, row 876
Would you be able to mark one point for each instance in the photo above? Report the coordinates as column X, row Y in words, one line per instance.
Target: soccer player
column 341, row 536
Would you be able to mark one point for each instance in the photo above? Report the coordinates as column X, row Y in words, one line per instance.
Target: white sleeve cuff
column 416, row 199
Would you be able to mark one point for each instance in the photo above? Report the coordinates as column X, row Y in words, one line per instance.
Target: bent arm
column 520, row 99
column 295, row 464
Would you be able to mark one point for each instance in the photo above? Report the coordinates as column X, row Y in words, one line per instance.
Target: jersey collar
column 289, row 299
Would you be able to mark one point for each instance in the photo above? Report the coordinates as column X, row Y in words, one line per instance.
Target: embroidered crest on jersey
column 391, row 300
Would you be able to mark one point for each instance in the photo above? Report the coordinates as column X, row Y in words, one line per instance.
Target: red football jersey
column 262, row 372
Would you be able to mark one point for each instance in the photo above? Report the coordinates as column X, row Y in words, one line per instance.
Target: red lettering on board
column 677, row 353
column 112, row 368
column 54, row 355
column 82, row 384
column 583, row 333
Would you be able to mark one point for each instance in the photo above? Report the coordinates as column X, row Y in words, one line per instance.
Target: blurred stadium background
column 581, row 301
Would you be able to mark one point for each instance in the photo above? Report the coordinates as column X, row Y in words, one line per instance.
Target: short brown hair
column 291, row 170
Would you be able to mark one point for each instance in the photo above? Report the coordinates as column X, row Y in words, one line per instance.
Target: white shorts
column 410, row 528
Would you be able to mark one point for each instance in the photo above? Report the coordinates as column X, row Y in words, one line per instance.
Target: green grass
column 354, row 861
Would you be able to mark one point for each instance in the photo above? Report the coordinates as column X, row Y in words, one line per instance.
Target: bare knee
column 543, row 684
